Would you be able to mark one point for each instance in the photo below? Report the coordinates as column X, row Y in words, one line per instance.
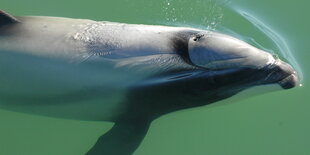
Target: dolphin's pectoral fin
column 6, row 18
column 122, row 139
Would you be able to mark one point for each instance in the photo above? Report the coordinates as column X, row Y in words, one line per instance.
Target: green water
column 270, row 124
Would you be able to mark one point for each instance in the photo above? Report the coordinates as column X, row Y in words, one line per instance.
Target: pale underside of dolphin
column 125, row 73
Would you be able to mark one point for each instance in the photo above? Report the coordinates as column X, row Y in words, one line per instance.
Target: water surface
column 273, row 124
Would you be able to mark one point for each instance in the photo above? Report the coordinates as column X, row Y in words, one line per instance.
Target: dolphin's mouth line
column 282, row 74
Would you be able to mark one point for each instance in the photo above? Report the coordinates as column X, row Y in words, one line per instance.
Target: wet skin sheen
column 125, row 73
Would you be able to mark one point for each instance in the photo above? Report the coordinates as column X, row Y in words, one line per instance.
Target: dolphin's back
column 42, row 72
column 52, row 65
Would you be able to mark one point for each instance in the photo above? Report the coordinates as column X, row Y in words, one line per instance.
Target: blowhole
column 197, row 37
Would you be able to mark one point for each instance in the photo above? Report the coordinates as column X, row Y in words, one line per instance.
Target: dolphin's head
column 234, row 65
column 213, row 67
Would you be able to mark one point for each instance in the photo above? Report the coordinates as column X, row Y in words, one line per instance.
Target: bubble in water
column 206, row 13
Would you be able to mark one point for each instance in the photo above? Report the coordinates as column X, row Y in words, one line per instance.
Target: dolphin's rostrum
column 125, row 73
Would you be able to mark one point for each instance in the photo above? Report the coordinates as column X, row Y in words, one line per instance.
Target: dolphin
column 129, row 74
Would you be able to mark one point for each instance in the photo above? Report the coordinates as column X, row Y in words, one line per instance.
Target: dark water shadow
column 122, row 139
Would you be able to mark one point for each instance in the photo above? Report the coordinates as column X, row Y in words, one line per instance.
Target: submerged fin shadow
column 122, row 139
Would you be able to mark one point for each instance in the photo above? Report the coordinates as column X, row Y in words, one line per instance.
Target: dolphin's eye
column 198, row 36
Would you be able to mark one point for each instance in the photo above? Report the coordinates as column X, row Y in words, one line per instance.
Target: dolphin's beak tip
column 290, row 81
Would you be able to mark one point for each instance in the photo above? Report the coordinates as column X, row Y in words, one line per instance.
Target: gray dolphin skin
column 128, row 74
